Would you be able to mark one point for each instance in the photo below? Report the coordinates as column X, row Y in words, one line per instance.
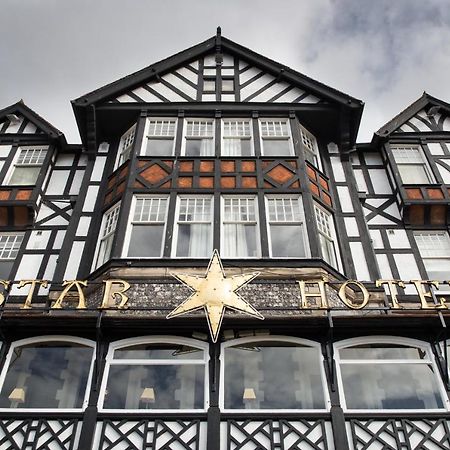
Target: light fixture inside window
column 148, row 395
column 249, row 394
column 17, row 395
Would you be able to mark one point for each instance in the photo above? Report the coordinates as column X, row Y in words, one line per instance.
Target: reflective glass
column 158, row 351
column 287, row 241
column 390, row 386
column 155, row 387
column 159, row 147
column 253, row 379
column 379, row 351
column 146, row 240
column 275, row 147
column 47, row 375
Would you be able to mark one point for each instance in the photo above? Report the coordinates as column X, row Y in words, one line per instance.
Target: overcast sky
column 383, row 52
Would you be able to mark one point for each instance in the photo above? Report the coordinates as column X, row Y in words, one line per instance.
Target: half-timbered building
column 123, row 328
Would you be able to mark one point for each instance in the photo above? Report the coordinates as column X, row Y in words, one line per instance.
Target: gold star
column 214, row 292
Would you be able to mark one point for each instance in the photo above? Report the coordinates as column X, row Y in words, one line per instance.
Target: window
column 27, row 166
column 199, row 137
column 388, row 374
column 286, row 227
column 109, row 224
column 126, row 145
column 237, row 138
column 327, row 236
column 209, row 84
column 252, row 378
column 194, row 227
column 49, row 373
column 9, row 249
column 276, row 138
column 159, row 137
column 434, row 248
column 412, row 165
column 146, row 233
column 309, row 143
column 156, row 373
column 240, row 231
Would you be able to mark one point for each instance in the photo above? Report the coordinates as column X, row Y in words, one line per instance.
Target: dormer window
column 412, row 165
column 27, row 166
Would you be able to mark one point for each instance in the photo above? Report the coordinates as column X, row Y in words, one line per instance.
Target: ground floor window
column 388, row 374
column 47, row 373
column 155, row 373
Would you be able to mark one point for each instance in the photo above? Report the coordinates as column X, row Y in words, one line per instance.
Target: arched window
column 388, row 373
column 49, row 372
column 159, row 372
column 272, row 373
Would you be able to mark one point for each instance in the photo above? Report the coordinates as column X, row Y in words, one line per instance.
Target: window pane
column 438, row 269
column 155, row 387
column 253, row 379
column 414, row 174
column 50, row 375
column 194, row 240
column 159, row 351
column 5, row 269
column 25, row 175
column 10, row 244
column 237, row 147
column 274, row 147
column 199, row 147
column 159, row 147
column 227, row 85
column 378, row 351
column 390, row 386
column 239, row 240
column 328, row 250
column 209, row 85
column 287, row 241
column 146, row 240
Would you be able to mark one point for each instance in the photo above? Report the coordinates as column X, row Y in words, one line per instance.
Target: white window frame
column 15, row 164
column 16, row 235
column 162, row 137
column 275, row 338
column 445, row 257
column 424, row 163
column 258, row 228
column 429, row 361
column 288, row 137
column 127, row 239
column 114, row 212
column 301, row 224
column 177, row 222
column 204, row 346
column 50, row 339
column 125, row 150
column 185, row 137
column 330, row 238
column 308, row 140
column 250, row 138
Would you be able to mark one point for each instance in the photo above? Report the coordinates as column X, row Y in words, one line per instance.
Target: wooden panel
column 414, row 193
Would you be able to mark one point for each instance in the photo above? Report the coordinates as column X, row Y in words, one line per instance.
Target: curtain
column 232, row 147
column 200, row 240
column 235, row 241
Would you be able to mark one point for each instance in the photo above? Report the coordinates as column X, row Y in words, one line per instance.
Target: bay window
column 274, row 373
column 47, row 373
column 160, row 373
column 309, row 144
column 276, row 137
column 194, row 221
column 389, row 374
column 240, row 228
column 287, row 234
column 108, row 229
column 434, row 248
column 412, row 164
column 126, row 145
column 27, row 166
column 145, row 236
column 159, row 137
column 198, row 137
column 327, row 235
column 237, row 137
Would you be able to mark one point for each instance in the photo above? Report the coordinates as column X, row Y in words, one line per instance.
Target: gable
column 203, row 80
column 423, row 122
column 16, row 124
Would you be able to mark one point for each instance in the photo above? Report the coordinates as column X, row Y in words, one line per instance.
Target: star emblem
column 214, row 293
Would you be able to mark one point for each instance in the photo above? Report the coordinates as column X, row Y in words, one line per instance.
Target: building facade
column 121, row 326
